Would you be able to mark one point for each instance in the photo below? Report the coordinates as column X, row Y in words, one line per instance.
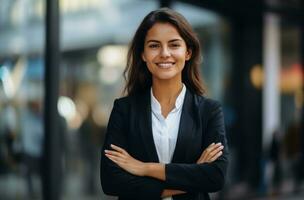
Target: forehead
column 163, row 31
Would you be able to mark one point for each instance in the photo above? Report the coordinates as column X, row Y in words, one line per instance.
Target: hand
column 125, row 161
column 213, row 152
column 169, row 193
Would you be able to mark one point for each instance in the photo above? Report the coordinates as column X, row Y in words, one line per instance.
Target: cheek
column 183, row 55
column 143, row 57
column 149, row 67
column 147, row 56
column 150, row 56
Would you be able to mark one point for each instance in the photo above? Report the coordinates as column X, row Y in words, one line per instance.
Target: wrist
column 148, row 167
column 155, row 170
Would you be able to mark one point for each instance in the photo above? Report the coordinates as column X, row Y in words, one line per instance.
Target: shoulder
column 122, row 103
column 206, row 105
column 206, row 102
column 127, row 101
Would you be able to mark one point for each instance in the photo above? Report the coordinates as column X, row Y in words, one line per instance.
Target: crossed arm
column 123, row 175
column 156, row 170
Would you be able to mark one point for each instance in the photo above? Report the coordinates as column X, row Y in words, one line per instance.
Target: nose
column 165, row 52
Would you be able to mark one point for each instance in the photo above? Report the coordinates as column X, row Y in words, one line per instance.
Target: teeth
column 165, row 65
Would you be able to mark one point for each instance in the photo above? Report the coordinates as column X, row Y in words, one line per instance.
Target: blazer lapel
column 145, row 125
column 185, row 130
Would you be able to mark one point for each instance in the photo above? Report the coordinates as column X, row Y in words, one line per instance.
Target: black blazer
column 130, row 127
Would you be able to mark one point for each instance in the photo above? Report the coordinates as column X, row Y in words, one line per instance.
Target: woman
column 164, row 139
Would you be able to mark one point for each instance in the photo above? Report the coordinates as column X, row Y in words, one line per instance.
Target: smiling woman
column 165, row 52
column 164, row 140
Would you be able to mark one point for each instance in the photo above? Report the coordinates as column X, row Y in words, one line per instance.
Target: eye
column 175, row 45
column 153, row 46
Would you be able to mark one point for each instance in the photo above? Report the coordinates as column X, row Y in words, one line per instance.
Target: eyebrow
column 173, row 40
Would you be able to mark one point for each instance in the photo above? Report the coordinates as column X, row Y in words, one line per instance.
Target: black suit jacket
column 130, row 127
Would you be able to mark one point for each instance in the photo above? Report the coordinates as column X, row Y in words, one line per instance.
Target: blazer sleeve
column 114, row 180
column 207, row 177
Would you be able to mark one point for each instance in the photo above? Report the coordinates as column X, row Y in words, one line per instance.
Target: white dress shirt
column 165, row 130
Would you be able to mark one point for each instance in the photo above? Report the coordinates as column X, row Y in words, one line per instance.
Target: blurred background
column 252, row 63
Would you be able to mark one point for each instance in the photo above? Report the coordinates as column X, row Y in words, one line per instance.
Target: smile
column 165, row 65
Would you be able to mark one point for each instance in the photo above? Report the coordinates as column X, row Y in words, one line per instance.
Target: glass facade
column 21, row 98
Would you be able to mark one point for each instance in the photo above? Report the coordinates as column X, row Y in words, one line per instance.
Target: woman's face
column 165, row 52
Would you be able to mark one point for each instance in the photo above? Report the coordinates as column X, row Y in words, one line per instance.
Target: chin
column 166, row 76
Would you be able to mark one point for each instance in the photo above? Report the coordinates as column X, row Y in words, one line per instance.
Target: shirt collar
column 180, row 99
column 155, row 105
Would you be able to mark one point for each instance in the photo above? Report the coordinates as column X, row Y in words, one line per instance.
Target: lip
column 165, row 65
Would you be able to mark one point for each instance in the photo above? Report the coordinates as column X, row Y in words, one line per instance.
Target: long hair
column 137, row 76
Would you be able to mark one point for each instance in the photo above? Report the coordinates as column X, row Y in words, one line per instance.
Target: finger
column 112, row 158
column 114, row 153
column 119, row 149
column 212, row 144
column 209, row 160
column 215, row 147
column 214, row 152
column 216, row 156
column 203, row 156
column 209, row 149
column 115, row 159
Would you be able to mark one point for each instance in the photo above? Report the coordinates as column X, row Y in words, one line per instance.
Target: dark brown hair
column 137, row 76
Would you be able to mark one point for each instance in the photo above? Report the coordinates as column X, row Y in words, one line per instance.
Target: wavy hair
column 137, row 76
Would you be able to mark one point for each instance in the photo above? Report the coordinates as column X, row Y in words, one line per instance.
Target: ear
column 143, row 56
column 188, row 54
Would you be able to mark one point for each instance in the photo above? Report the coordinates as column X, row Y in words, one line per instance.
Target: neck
column 166, row 91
